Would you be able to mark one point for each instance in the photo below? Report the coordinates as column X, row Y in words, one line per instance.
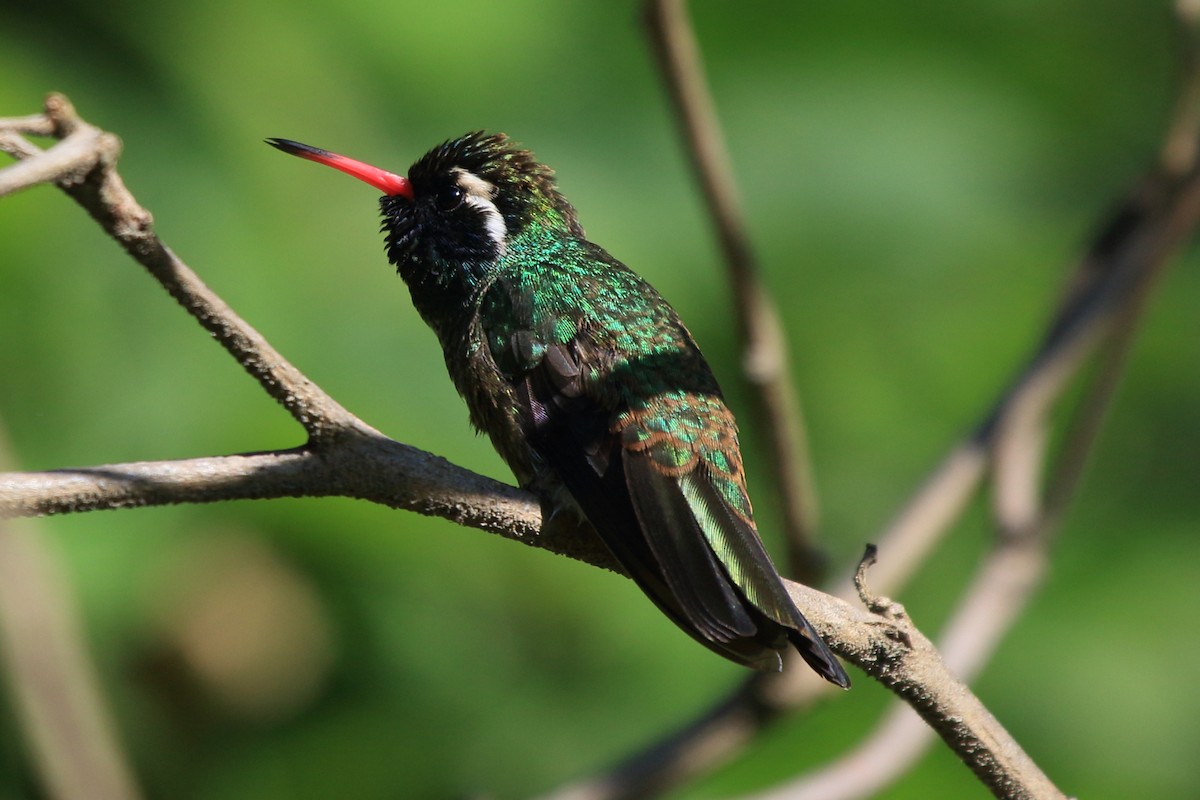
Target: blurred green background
column 918, row 177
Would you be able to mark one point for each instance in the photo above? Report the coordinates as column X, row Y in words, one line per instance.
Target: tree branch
column 91, row 179
column 999, row 593
column 366, row 467
column 764, row 357
column 1099, row 316
column 50, row 671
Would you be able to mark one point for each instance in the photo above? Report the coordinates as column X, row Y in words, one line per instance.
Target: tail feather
column 718, row 572
column 817, row 655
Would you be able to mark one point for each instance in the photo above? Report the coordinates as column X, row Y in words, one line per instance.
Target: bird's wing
column 640, row 513
column 648, row 451
column 709, row 494
column 565, row 380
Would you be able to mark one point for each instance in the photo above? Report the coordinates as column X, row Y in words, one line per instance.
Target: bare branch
column 880, row 647
column 31, row 125
column 899, row 656
column 94, row 183
column 368, row 467
column 764, row 359
column 51, row 674
column 295, row 473
column 1125, row 260
column 998, row 595
column 75, row 155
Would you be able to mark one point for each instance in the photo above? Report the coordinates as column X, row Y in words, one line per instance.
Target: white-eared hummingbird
column 589, row 385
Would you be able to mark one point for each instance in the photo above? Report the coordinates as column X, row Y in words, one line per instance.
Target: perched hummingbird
column 589, row 385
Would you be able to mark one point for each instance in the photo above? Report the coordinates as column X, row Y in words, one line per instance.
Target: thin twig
column 1028, row 518
column 50, row 671
column 96, row 186
column 30, row 125
column 765, row 358
column 72, row 156
column 370, row 467
column 999, row 593
column 728, row 726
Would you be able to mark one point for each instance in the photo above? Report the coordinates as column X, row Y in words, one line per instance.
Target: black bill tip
column 297, row 148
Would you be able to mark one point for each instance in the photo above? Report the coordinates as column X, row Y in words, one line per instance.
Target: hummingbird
column 589, row 386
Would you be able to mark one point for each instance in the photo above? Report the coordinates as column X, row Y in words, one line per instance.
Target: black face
column 470, row 195
column 438, row 227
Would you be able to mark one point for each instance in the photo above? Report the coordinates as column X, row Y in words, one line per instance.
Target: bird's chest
column 490, row 396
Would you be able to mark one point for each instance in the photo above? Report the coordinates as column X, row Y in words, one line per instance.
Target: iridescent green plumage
column 592, row 390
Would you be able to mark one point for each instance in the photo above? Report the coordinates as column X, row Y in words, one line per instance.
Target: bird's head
column 461, row 204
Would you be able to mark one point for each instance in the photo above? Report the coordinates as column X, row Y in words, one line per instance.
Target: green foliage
column 918, row 176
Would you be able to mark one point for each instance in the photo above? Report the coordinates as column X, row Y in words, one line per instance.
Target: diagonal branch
column 50, row 672
column 1124, row 262
column 998, row 594
column 764, row 358
column 91, row 179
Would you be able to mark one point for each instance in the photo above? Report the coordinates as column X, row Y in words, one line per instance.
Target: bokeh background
column 918, row 177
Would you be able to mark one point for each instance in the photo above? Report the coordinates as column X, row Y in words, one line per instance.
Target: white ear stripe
column 479, row 194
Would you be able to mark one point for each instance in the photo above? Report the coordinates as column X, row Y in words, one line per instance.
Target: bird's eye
column 449, row 197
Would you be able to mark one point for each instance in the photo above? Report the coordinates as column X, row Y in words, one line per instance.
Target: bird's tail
column 818, row 656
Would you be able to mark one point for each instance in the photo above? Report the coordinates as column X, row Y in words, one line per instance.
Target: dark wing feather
column 687, row 562
column 683, row 535
column 569, row 434
column 657, row 539
column 740, row 550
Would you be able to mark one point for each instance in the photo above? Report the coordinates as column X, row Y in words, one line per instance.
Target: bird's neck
column 447, row 295
column 445, row 292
